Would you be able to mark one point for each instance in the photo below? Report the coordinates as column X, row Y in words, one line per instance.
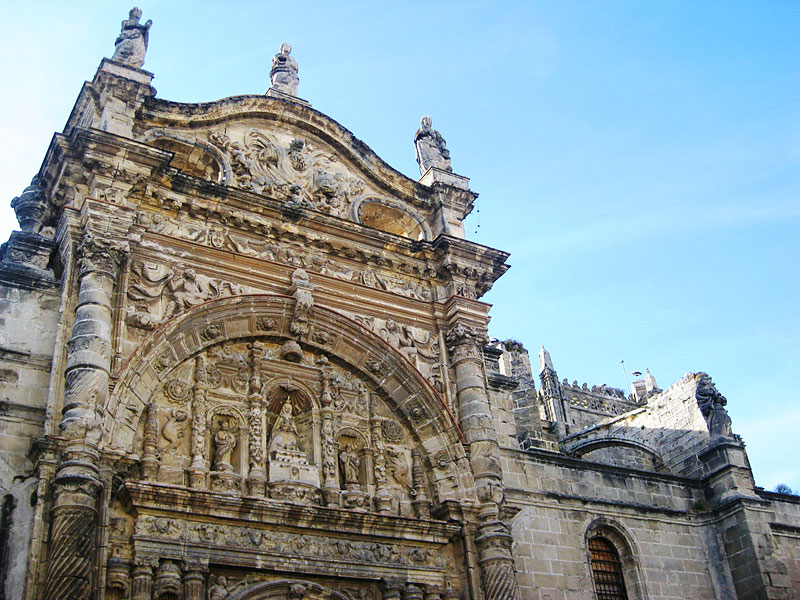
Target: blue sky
column 640, row 160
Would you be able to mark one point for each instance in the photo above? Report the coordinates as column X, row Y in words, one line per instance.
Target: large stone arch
column 584, row 447
column 406, row 391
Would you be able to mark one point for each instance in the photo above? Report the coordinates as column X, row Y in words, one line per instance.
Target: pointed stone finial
column 283, row 75
column 544, row 360
column 131, row 45
column 30, row 207
column 650, row 384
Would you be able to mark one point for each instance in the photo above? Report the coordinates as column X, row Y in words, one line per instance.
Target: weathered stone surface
column 243, row 358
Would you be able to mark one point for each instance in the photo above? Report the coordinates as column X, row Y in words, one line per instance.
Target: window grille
column 606, row 570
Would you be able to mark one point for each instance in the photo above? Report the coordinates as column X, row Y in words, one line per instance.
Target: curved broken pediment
column 289, row 152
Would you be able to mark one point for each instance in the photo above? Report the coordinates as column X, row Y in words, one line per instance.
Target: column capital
column 100, row 254
column 465, row 342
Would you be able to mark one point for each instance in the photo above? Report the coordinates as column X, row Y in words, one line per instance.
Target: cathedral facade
column 243, row 358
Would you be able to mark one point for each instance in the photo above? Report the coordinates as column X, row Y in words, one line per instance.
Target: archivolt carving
column 418, row 346
column 339, row 418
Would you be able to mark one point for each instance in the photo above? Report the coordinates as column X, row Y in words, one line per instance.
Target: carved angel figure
column 131, row 45
column 174, row 429
column 431, row 148
column 283, row 75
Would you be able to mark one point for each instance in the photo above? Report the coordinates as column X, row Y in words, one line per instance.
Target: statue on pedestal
column 283, row 75
column 291, row 477
column 284, row 432
column 431, row 148
column 225, row 442
column 131, row 45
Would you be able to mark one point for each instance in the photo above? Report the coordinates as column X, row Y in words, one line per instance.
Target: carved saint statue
column 283, row 75
column 284, row 432
column 350, row 462
column 712, row 405
column 131, row 44
column 224, row 442
column 431, row 149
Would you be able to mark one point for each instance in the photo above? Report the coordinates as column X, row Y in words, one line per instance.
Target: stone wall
column 27, row 330
column 663, row 546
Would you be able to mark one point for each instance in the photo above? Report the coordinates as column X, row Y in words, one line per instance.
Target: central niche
column 269, row 419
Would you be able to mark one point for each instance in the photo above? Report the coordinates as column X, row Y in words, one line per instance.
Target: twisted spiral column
column 77, row 483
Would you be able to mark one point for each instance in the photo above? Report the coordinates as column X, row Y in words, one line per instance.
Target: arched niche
column 391, row 217
column 620, row 451
column 626, row 548
column 191, row 156
column 220, row 325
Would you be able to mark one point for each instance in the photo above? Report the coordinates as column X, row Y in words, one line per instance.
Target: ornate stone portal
column 249, row 361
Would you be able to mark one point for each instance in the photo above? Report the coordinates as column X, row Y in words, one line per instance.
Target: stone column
column 493, row 537
column 383, row 496
column 150, row 443
column 77, row 484
column 256, row 477
column 142, row 588
column 194, row 581
column 412, row 592
column 198, row 471
column 421, row 504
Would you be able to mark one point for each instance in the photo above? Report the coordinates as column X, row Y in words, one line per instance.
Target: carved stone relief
column 420, row 347
column 157, row 292
column 284, row 167
column 249, row 417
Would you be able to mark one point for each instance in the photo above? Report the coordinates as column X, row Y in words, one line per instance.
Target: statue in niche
column 431, row 148
column 131, row 45
column 283, row 75
column 224, row 443
column 350, row 463
column 284, row 432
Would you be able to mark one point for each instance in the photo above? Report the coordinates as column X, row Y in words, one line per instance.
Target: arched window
column 606, row 570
